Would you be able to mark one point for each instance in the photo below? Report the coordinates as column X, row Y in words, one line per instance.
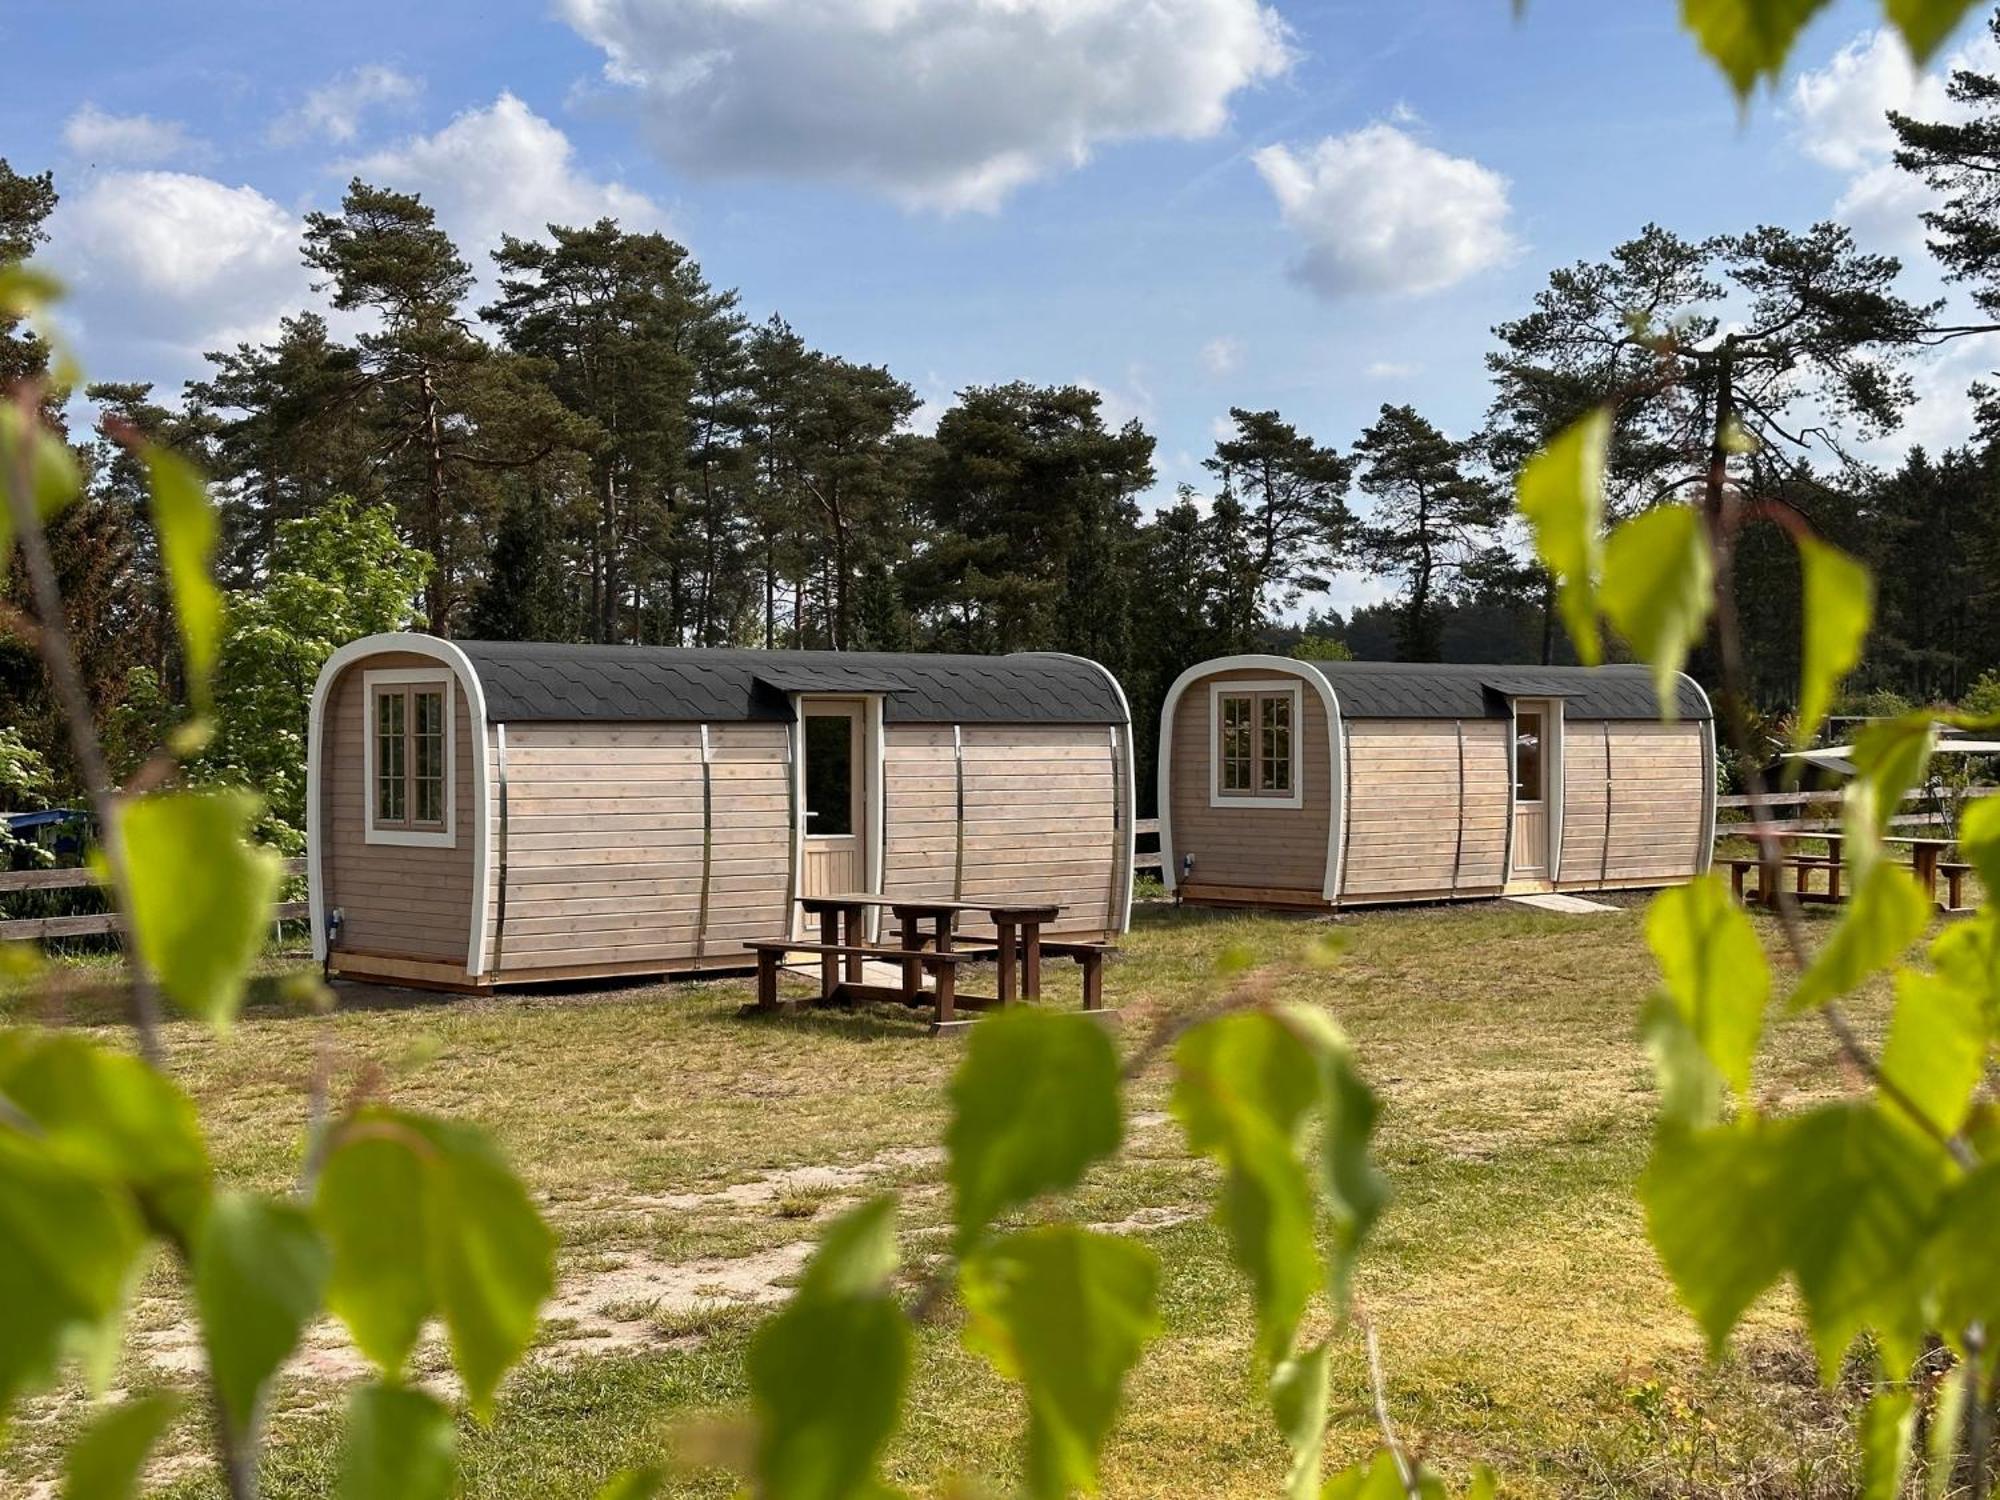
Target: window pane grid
column 1236, row 744
column 391, row 791
column 428, row 760
column 1274, row 766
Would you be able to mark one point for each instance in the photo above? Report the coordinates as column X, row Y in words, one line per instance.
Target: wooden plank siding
column 1656, row 782
column 1426, row 815
column 1246, row 846
column 395, row 900
column 1041, row 827
column 1040, row 821
column 605, row 845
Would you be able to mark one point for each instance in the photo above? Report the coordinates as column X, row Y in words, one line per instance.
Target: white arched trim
column 1130, row 811
column 1306, row 671
column 1705, row 856
column 437, row 649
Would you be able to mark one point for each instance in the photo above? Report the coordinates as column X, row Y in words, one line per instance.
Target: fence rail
column 94, row 924
column 1146, row 859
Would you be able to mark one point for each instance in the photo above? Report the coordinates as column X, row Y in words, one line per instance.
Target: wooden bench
column 1770, row 873
column 943, row 969
column 1954, row 884
column 1090, row 958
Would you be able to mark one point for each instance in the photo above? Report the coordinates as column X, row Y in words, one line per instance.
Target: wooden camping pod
column 484, row 813
column 1318, row 785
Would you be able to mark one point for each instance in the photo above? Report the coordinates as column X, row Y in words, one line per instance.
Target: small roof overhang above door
column 793, row 682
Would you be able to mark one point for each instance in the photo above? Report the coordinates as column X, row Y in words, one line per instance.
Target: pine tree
column 1295, row 516
column 524, row 595
column 450, row 413
column 1433, row 523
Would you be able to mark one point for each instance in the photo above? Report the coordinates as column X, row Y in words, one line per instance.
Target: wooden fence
column 1800, row 803
column 1146, row 859
column 12, row 882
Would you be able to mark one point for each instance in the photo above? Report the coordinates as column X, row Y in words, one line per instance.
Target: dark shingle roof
column 533, row 681
column 1455, row 690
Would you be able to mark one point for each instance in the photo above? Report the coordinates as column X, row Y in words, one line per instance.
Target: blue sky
column 1185, row 203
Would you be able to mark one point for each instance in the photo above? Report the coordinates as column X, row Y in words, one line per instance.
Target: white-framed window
column 1255, row 729
column 408, row 746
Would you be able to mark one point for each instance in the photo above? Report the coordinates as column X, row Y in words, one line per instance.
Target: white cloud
column 128, row 140
column 336, row 109
column 1389, row 369
column 1222, row 355
column 502, row 169
column 1839, row 113
column 1379, row 211
column 944, row 104
column 175, row 263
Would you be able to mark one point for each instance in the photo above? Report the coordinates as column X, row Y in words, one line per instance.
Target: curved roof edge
column 1470, row 690
column 527, row 681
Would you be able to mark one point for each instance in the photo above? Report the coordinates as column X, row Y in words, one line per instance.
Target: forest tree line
column 610, row 448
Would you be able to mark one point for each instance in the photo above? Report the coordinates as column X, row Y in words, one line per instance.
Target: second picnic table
column 1926, row 858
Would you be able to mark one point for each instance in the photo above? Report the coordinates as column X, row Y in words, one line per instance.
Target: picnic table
column 1927, row 858
column 928, row 942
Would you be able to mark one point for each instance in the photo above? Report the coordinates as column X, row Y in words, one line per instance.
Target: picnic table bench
column 928, row 945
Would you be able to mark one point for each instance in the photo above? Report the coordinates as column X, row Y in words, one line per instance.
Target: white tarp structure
column 1839, row 758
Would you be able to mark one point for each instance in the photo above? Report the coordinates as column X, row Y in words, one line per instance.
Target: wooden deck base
column 406, row 973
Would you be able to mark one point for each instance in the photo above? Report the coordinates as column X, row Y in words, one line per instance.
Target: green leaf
column 1857, row 1196
column 1034, row 1103
column 827, row 1374
column 1708, row 1196
column 1355, row 1191
column 1658, row 589
column 1891, row 756
column 105, row 1462
column 1065, row 1312
column 1243, row 1084
column 1960, row 1259
column 492, row 1258
column 1299, row 1388
column 26, row 290
column 188, row 530
column 53, row 477
column 1714, row 970
column 1888, row 913
column 1690, row 1085
column 1979, row 841
column 113, row 1112
column 1376, row 1479
column 643, row 1483
column 1936, row 1050
column 369, row 1203
column 1561, row 494
column 1748, row 39
column 1839, row 1198
column 200, row 894
column 259, row 1267
column 1888, row 1424
column 1967, row 953
column 1839, row 601
column 68, row 1242
column 1925, row 24
column 488, row 1261
column 399, row 1446
column 1947, row 1429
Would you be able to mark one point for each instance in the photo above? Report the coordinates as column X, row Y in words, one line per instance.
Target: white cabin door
column 1533, row 758
column 832, row 779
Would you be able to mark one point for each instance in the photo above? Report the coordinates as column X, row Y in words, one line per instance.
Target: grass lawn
column 687, row 1157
